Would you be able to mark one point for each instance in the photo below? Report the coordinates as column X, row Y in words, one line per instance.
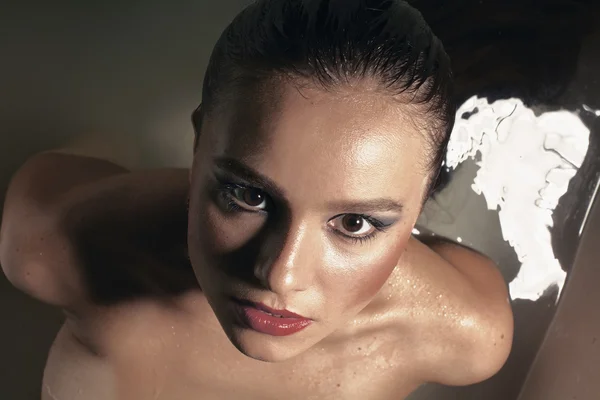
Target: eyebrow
column 361, row 206
column 256, row 179
column 249, row 175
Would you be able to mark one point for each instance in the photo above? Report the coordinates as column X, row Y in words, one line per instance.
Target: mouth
column 263, row 319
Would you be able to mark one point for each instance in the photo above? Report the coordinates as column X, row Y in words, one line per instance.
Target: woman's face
column 302, row 201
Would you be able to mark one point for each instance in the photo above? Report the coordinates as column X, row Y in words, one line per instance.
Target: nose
column 287, row 260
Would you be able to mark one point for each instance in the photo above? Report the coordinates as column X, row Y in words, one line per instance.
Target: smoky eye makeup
column 359, row 228
column 234, row 195
column 225, row 177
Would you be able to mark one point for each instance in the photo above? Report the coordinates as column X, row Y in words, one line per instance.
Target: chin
column 263, row 347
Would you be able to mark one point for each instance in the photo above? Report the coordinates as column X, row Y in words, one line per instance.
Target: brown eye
column 250, row 198
column 253, row 197
column 352, row 223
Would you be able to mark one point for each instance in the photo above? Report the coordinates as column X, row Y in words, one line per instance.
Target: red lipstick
column 267, row 320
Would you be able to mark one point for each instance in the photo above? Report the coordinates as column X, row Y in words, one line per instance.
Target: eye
column 353, row 225
column 250, row 199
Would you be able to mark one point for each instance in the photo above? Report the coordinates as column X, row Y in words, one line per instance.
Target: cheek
column 217, row 233
column 215, row 230
column 363, row 275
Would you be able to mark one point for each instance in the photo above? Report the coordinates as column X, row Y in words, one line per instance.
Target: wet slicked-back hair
column 332, row 43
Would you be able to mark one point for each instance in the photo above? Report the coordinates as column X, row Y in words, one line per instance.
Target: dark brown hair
column 333, row 42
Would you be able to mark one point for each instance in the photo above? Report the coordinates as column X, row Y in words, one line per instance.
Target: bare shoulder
column 453, row 305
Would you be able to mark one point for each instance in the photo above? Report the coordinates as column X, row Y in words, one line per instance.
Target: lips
column 267, row 320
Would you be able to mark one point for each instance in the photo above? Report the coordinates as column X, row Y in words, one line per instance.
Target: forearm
column 52, row 183
column 123, row 150
column 47, row 177
column 128, row 204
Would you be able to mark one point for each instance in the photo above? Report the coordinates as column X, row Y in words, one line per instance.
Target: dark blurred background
column 121, row 79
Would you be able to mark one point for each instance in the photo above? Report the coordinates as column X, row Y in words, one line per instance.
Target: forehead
column 352, row 144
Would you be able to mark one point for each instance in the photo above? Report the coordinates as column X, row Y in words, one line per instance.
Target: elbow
column 25, row 278
column 35, row 281
column 26, row 220
column 29, row 274
column 11, row 259
column 29, row 277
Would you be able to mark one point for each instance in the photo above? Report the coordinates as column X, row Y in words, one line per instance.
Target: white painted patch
column 525, row 167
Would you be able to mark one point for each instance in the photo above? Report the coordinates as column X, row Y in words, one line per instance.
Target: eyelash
column 375, row 223
column 225, row 190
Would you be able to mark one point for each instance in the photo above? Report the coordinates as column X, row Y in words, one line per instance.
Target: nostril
column 260, row 273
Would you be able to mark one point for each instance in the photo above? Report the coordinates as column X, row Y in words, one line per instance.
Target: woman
column 320, row 135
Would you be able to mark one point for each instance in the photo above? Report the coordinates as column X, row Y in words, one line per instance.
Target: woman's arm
column 69, row 226
column 78, row 229
column 458, row 312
